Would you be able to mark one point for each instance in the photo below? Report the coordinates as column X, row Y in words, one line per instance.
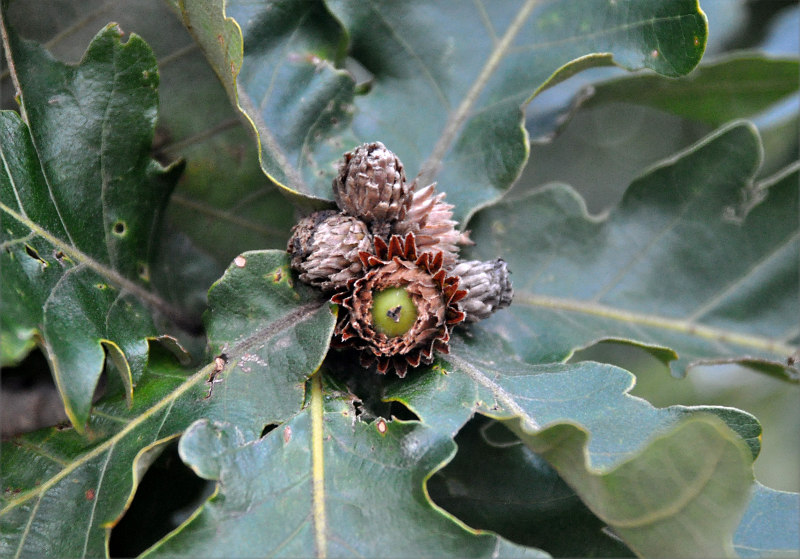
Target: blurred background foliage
column 225, row 205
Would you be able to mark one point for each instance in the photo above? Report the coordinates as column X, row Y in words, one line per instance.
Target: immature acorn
column 325, row 246
column 401, row 310
column 488, row 287
column 371, row 185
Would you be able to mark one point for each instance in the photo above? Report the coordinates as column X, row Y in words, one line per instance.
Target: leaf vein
column 413, row 54
column 180, row 389
column 27, row 529
column 96, row 498
column 656, row 321
column 715, row 299
column 454, row 123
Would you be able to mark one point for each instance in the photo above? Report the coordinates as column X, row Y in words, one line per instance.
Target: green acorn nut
column 393, row 311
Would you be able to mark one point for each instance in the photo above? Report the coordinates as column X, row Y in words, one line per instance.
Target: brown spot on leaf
column 240, row 261
column 219, row 363
column 381, row 425
column 287, row 434
column 90, row 494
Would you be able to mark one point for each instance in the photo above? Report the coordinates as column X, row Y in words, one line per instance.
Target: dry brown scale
column 394, row 248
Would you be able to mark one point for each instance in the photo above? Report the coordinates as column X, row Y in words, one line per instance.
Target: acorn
column 431, row 221
column 402, row 310
column 371, row 185
column 325, row 246
column 488, row 287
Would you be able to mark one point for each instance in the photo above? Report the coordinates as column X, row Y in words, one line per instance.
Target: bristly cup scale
column 390, row 259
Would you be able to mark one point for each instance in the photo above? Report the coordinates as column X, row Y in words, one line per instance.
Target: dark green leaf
column 336, row 486
column 581, row 419
column 284, row 335
column 82, row 202
column 62, row 491
column 695, row 258
column 450, row 110
column 271, row 333
column 223, row 201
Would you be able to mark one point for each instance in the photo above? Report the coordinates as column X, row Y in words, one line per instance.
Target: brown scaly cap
column 430, row 219
column 325, row 249
column 488, row 287
column 434, row 293
column 371, row 185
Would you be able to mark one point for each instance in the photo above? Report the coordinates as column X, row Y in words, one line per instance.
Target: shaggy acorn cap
column 325, row 249
column 371, row 185
column 488, row 287
column 430, row 219
column 425, row 283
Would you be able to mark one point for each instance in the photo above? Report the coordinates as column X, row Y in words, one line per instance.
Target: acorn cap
column 434, row 294
column 371, row 185
column 431, row 221
column 488, row 287
column 325, row 249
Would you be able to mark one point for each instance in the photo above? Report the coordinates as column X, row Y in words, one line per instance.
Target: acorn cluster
column 390, row 258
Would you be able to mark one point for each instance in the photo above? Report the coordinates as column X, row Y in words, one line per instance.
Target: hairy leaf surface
column 771, row 524
column 268, row 333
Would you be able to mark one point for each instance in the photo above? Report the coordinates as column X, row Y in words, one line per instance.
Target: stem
column 318, row 465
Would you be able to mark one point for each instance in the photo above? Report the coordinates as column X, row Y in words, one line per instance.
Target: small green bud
column 393, row 311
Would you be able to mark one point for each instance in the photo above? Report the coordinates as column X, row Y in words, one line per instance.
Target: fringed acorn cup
column 401, row 310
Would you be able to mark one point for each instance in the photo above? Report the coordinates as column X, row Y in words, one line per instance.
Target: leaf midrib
column 682, row 326
column 112, row 441
column 455, row 121
column 114, row 277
